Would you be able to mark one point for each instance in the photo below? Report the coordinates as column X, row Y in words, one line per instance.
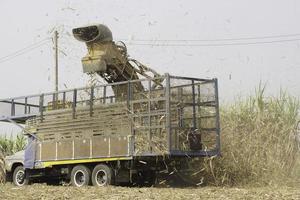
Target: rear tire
column 19, row 177
column 80, row 176
column 102, row 176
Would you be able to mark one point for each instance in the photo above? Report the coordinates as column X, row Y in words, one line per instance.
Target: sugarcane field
column 149, row 100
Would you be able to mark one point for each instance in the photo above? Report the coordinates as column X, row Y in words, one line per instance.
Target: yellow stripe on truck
column 91, row 160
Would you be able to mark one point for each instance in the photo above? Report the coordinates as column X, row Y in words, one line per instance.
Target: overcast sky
column 239, row 68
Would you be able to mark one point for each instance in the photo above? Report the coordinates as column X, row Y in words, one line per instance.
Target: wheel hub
column 20, row 177
column 79, row 178
column 101, row 178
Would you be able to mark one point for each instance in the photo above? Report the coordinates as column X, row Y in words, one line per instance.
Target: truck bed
column 180, row 118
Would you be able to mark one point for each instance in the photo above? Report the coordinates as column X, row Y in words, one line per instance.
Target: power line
column 29, row 46
column 44, row 41
column 157, row 42
column 215, row 44
column 24, row 50
column 214, row 40
column 21, row 53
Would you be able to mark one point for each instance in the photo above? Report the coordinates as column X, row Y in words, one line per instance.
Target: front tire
column 19, row 177
column 80, row 176
column 102, row 176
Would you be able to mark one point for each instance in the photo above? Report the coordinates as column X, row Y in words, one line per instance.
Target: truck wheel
column 19, row 177
column 102, row 176
column 80, row 176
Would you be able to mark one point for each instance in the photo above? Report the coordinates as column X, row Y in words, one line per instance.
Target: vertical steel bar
column 64, row 100
column 181, row 109
column 26, row 102
column 180, row 118
column 12, row 108
column 199, row 109
column 91, row 148
column 131, row 116
column 41, row 108
column 54, row 100
column 104, row 94
column 149, row 117
column 194, row 105
column 91, row 101
column 128, row 96
column 217, row 117
column 168, row 114
column 74, row 103
column 56, row 150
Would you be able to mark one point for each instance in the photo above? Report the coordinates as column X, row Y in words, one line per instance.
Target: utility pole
column 56, row 64
column 56, row 60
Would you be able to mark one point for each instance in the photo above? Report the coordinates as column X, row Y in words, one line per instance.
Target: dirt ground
column 42, row 191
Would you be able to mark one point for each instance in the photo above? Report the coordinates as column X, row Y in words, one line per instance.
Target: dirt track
column 40, row 191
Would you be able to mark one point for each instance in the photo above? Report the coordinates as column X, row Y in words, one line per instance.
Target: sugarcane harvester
column 125, row 131
column 110, row 60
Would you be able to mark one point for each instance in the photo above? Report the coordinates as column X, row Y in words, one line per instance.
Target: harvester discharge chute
column 110, row 60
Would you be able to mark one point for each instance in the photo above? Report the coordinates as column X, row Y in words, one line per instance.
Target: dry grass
column 2, row 168
column 258, row 142
column 40, row 191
